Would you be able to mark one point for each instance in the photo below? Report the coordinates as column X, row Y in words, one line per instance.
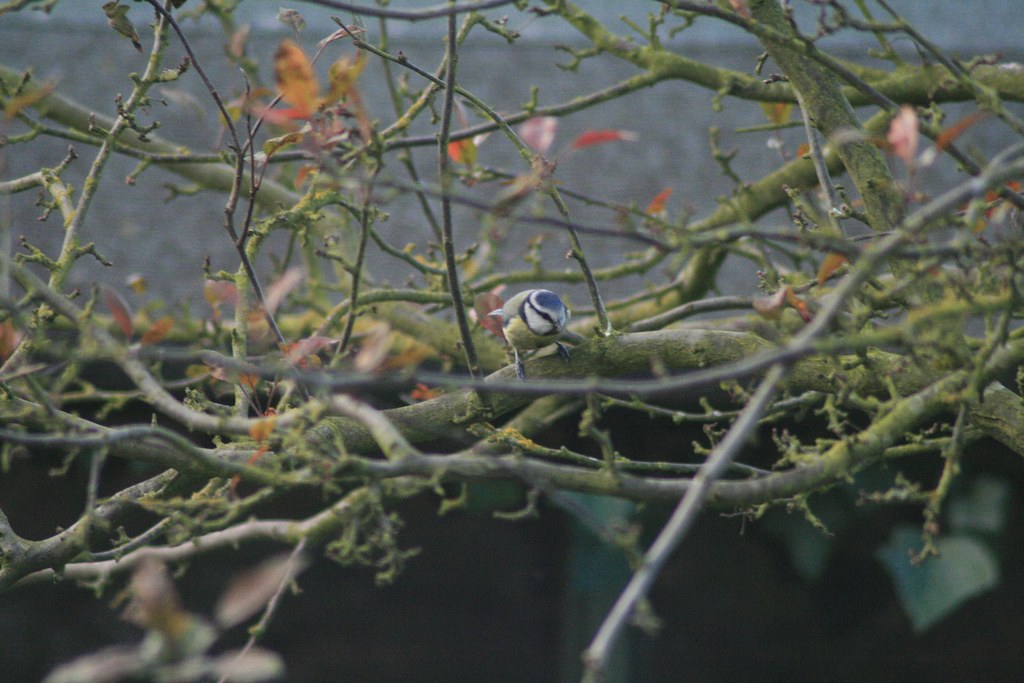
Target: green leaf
column 929, row 591
column 983, row 508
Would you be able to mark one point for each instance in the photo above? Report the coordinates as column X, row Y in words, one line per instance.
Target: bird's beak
column 496, row 312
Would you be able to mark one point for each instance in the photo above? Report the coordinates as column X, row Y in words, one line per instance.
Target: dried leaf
column 297, row 351
column 157, row 331
column 483, row 304
column 119, row 310
column 829, row 265
column 600, row 137
column 250, row 592
column 657, row 205
column 346, row 32
column 296, row 81
column 291, row 18
column 273, row 145
column 903, row 134
column 539, row 132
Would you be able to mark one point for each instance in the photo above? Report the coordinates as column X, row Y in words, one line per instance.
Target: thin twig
column 445, row 176
column 596, row 656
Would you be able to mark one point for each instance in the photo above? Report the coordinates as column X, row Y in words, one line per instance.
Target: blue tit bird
column 531, row 320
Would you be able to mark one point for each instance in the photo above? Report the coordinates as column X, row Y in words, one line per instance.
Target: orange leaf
column 295, row 78
column 600, row 137
column 423, row 393
column 119, row 310
column 10, row 337
column 157, row 331
column 777, row 112
column 903, row 134
column 829, row 265
column 261, row 430
column 951, row 133
column 657, row 205
column 463, row 151
column 799, row 304
column 302, row 174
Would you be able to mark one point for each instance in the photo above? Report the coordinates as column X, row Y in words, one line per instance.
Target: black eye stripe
column 542, row 313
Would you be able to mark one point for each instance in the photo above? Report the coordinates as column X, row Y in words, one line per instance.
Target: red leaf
column 539, row 132
column 463, row 151
column 157, row 331
column 119, row 310
column 600, row 137
column 483, row 304
column 657, row 205
column 423, row 393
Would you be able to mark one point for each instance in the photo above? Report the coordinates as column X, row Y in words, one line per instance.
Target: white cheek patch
column 538, row 323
